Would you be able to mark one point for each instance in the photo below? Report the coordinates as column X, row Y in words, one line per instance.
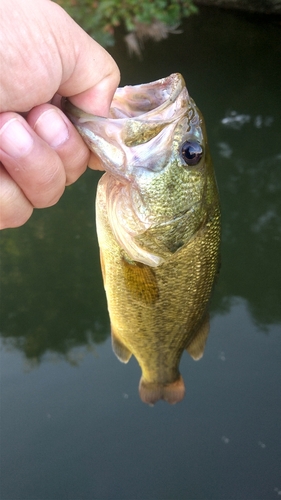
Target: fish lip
column 146, row 99
column 138, row 115
column 152, row 98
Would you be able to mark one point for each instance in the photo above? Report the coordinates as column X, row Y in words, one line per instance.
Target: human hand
column 44, row 54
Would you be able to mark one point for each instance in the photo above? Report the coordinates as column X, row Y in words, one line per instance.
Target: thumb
column 44, row 52
column 93, row 73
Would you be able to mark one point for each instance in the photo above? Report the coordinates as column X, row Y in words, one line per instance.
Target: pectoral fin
column 140, row 281
column 197, row 345
column 119, row 349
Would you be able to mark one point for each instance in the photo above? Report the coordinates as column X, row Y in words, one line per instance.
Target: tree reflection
column 52, row 296
column 51, row 287
column 250, row 187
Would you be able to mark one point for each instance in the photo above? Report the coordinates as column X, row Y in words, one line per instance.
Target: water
column 72, row 424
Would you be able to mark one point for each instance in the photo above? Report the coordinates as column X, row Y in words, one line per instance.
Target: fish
column 158, row 227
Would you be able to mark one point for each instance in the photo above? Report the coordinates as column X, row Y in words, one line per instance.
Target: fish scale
column 158, row 225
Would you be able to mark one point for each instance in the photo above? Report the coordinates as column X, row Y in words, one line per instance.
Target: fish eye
column 191, row 152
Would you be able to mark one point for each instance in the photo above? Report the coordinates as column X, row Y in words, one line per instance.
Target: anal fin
column 119, row 349
column 197, row 345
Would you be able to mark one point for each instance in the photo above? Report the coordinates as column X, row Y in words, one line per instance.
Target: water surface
column 72, row 424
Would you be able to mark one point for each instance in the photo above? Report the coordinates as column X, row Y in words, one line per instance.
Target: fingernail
column 15, row 140
column 51, row 127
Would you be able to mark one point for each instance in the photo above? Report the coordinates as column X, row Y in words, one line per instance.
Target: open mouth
column 156, row 100
column 140, row 126
column 135, row 100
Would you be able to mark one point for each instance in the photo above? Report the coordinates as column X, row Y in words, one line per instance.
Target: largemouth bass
column 158, row 225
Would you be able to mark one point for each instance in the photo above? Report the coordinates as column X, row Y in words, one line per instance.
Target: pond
column 72, row 424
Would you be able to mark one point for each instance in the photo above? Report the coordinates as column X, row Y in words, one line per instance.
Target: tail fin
column 150, row 393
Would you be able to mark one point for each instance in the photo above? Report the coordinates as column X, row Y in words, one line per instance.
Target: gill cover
column 136, row 144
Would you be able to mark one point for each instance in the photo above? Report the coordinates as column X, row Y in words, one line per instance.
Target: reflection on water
column 83, row 433
column 71, row 433
column 236, row 120
column 250, row 170
column 50, row 279
column 51, row 288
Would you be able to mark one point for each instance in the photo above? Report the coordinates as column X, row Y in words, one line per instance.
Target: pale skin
column 44, row 55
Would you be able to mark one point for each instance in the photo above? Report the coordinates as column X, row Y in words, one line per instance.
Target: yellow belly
column 158, row 312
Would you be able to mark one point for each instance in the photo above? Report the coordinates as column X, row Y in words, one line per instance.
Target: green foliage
column 100, row 19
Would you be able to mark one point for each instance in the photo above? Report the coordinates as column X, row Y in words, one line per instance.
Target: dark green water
column 72, row 424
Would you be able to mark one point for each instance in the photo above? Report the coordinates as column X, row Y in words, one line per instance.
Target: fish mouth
column 149, row 98
column 139, row 114
column 134, row 101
